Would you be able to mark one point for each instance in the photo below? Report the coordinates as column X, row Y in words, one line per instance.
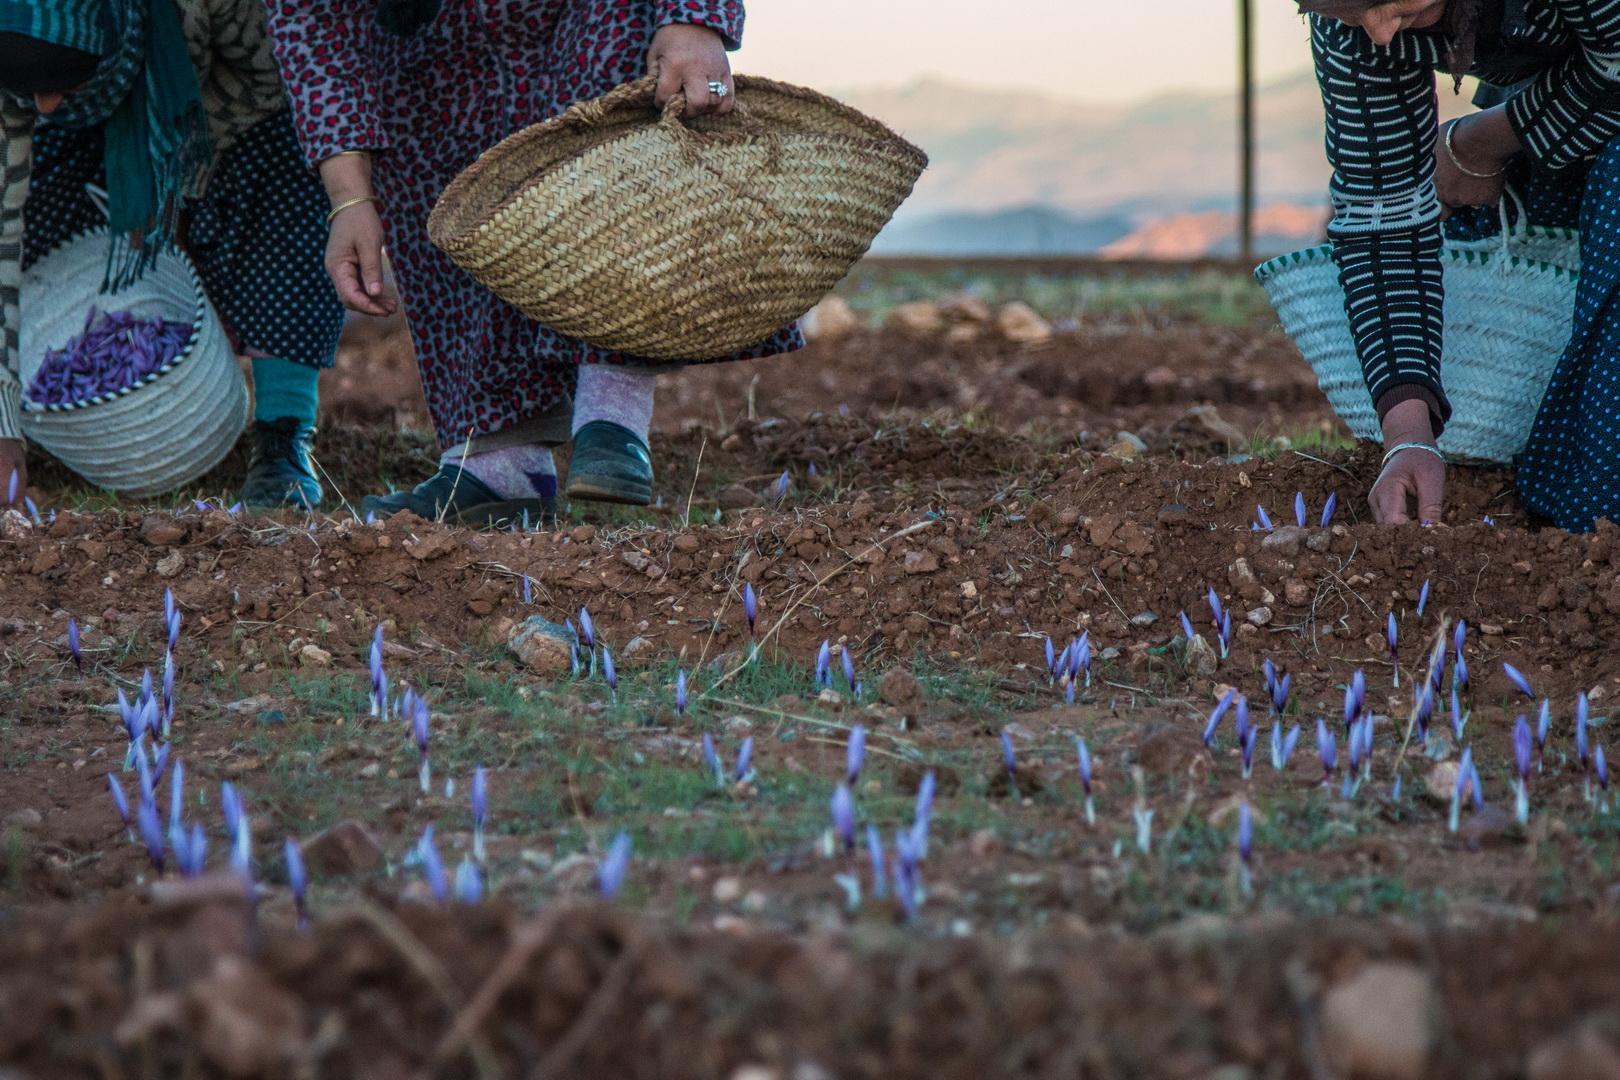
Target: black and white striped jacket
column 1381, row 113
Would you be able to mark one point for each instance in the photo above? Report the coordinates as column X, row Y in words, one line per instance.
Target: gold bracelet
column 1451, row 152
column 340, row 207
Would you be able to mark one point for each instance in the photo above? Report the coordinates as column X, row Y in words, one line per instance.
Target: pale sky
column 1095, row 50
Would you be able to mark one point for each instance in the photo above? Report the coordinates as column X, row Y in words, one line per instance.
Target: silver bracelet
column 1451, row 152
column 1398, row 447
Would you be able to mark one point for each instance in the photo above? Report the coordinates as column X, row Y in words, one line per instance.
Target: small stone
column 1260, row 616
column 582, row 534
column 346, row 848
column 1297, row 593
column 371, row 771
column 1284, row 540
column 170, row 565
column 544, row 647
column 727, row 890
column 830, row 320
column 433, row 545
column 919, row 318
column 687, row 544
column 919, row 562
column 636, row 647
column 830, row 699
column 900, row 689
column 1144, row 619
column 964, row 308
column 737, row 497
column 1380, row 1023
column 1319, row 540
column 162, row 531
column 314, row 656
column 1200, row 657
column 1022, row 325
column 1440, row 782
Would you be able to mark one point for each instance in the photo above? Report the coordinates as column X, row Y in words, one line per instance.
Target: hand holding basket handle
column 691, row 61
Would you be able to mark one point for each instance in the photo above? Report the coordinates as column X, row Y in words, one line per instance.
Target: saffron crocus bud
column 1600, row 767
column 1008, row 758
column 615, row 864
column 750, row 605
column 528, row 589
column 587, row 629
column 379, row 678
column 680, row 692
column 1083, row 756
column 1459, row 675
column 1326, row 749
column 419, row 728
column 1299, row 509
column 1329, row 508
column 849, row 666
column 1245, row 832
column 480, row 810
column 1241, row 718
column 1187, row 627
column 1543, row 723
column 924, row 813
column 1581, row 709
column 1465, row 780
column 1250, row 737
column 783, row 485
column 1423, row 598
column 824, row 665
column 843, row 817
column 151, row 835
column 1516, row 677
column 1215, row 717
column 1523, row 750
column 1391, row 635
column 1282, row 746
column 745, row 761
column 73, row 644
column 469, row 883
column 242, row 848
column 1082, row 656
column 1424, row 710
column 1263, row 519
column 1279, row 694
column 177, row 792
column 120, row 802
column 874, row 851
column 297, row 880
column 907, row 879
column 168, row 693
column 1458, row 720
column 711, row 760
column 1215, row 605
column 11, row 488
column 1051, row 658
column 855, row 755
column 196, row 852
column 427, row 853
column 610, row 674
column 230, row 805
column 1268, row 671
column 1226, row 633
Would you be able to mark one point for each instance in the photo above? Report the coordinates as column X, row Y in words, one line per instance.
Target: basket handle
column 640, row 96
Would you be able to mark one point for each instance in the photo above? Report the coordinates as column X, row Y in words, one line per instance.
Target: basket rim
column 199, row 319
column 1320, row 252
column 631, row 96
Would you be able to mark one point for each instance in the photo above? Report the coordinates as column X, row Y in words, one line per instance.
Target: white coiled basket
column 1510, row 303
column 170, row 428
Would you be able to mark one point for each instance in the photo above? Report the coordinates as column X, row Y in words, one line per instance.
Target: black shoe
column 456, row 496
column 280, row 472
column 610, row 464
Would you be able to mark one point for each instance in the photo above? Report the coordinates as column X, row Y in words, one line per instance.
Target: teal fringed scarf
column 145, row 95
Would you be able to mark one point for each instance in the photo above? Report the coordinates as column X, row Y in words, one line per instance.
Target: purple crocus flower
column 242, row 848
column 1465, row 781
column 480, row 810
column 1226, row 633
column 1329, row 508
column 151, row 835
column 1250, row 737
column 855, row 754
column 1241, row 718
column 1459, row 674
column 73, row 645
column 1215, row 717
column 1327, row 750
column 783, row 485
column 1476, row 788
column 1543, row 723
column 195, row 854
column 1051, row 658
column 1083, row 756
column 174, row 629
column 1355, row 698
column 379, row 678
column 419, row 728
column 745, row 758
column 843, row 817
column 611, row 873
column 120, row 802
column 587, row 629
column 924, row 813
column 230, row 805
column 1523, row 747
column 1424, row 709
column 469, row 883
column 1458, row 720
column 177, row 792
column 680, row 692
column 1279, row 694
column 1082, row 657
column 1263, row 519
column 1282, row 746
column 824, row 665
column 168, row 693
column 1600, row 767
column 907, row 879
column 849, row 666
column 297, row 880
column 750, row 605
column 1268, row 671
column 1187, row 627
column 711, row 760
column 427, row 853
column 1459, row 637
column 610, row 674
column 1423, row 598
column 1008, row 758
column 11, row 488
column 148, row 784
column 1215, row 605
column 1245, row 832
column 1392, row 636
column 1581, row 752
column 1299, row 509
column 874, row 851
column 1516, row 677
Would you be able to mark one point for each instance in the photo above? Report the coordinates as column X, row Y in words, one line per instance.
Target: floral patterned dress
column 428, row 105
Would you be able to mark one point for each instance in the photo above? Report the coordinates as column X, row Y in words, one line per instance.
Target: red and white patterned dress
column 428, row 105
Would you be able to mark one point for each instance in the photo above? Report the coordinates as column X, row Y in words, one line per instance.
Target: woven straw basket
column 641, row 233
column 165, row 431
column 1509, row 307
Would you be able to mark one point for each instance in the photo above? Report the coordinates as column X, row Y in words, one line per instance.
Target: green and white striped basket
column 1510, row 303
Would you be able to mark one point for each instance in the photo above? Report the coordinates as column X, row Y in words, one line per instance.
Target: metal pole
column 1246, row 129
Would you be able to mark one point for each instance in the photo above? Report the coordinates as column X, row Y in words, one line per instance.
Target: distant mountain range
column 1016, row 173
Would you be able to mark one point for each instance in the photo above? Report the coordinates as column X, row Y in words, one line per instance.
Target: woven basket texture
column 1508, row 316
column 632, row 230
column 167, row 430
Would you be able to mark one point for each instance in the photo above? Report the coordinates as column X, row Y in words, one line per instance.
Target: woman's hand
column 688, row 58
column 1483, row 143
column 354, row 239
column 1411, row 474
column 13, row 456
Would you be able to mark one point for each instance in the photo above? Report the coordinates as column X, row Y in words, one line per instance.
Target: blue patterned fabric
column 1569, row 473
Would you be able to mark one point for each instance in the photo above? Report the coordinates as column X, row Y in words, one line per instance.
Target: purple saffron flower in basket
column 297, row 880
column 611, row 873
column 711, row 761
column 874, row 851
column 843, row 817
column 750, row 605
column 1187, row 630
column 1516, row 677
column 745, row 761
column 73, row 645
column 120, row 801
column 1326, row 749
column 1262, row 520
column 151, row 835
column 1329, row 508
column 855, row 754
column 427, row 853
column 1423, row 598
column 469, row 883
column 1008, row 758
column 1299, row 509
column 680, row 692
column 1215, row 717
column 480, row 809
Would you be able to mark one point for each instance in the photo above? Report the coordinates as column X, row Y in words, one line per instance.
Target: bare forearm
column 1486, row 140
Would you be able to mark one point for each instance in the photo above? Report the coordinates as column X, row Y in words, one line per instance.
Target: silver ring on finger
column 719, row 89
